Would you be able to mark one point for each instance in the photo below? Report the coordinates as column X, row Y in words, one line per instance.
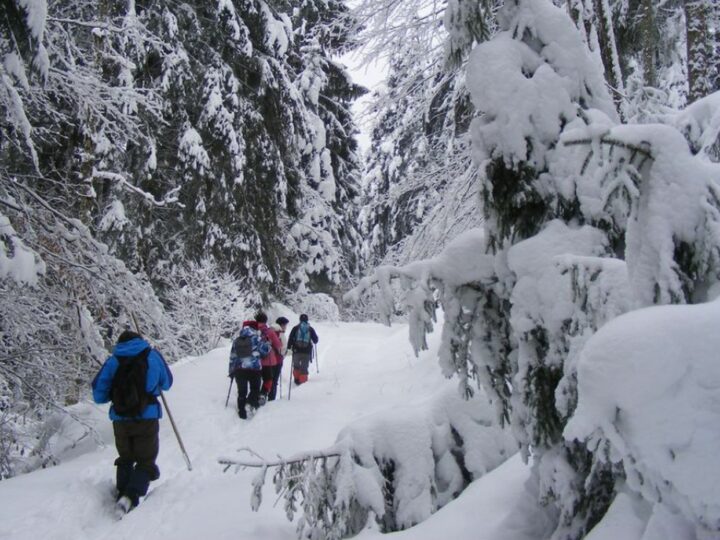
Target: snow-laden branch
column 170, row 198
column 302, row 457
column 88, row 24
column 398, row 467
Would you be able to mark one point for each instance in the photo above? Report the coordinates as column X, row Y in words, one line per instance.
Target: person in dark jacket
column 246, row 369
column 301, row 342
column 136, row 437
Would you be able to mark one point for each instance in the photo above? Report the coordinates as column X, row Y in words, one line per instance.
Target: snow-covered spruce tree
column 550, row 148
column 672, row 257
column 263, row 147
column 511, row 325
column 322, row 215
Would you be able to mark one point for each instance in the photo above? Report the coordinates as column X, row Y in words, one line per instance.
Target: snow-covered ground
column 365, row 369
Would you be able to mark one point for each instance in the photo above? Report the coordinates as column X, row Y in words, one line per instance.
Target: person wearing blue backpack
column 301, row 341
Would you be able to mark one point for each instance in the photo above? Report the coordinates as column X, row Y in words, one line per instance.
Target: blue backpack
column 302, row 340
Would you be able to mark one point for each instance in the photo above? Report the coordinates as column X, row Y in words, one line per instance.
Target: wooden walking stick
column 170, row 416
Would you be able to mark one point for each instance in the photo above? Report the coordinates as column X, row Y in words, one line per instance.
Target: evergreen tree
column 698, row 24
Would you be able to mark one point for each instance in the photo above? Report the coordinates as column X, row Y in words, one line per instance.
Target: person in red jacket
column 273, row 358
column 279, row 327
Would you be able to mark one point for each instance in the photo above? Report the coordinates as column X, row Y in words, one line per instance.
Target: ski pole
column 317, row 362
column 229, row 390
column 170, row 416
column 292, row 365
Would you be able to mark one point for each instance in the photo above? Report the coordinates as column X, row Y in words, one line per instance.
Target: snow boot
column 123, row 506
column 250, row 411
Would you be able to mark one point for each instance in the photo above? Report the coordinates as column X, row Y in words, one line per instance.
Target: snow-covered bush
column 205, row 305
column 647, row 386
column 318, row 307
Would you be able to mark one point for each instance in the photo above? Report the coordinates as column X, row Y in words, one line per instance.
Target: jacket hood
column 130, row 348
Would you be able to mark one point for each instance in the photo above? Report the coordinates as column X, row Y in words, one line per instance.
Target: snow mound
column 648, row 386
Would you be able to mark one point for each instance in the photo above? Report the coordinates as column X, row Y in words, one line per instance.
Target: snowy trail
column 364, row 369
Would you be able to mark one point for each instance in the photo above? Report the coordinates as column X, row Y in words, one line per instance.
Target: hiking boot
column 250, row 411
column 242, row 413
column 262, row 400
column 123, row 506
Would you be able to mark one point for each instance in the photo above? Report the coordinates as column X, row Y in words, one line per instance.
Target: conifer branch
column 643, row 150
column 280, row 462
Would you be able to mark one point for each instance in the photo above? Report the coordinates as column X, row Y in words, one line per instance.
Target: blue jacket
column 158, row 377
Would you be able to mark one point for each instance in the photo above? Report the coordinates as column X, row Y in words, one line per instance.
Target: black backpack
column 242, row 347
column 127, row 393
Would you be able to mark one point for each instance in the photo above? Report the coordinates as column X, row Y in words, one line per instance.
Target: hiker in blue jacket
column 301, row 341
column 135, row 412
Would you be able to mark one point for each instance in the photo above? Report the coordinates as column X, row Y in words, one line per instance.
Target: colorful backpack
column 247, row 350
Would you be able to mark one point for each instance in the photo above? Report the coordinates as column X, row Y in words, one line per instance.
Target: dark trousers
column 275, row 374
column 301, row 362
column 137, row 443
column 248, row 387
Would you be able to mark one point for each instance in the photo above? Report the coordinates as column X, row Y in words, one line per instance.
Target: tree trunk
column 697, row 17
column 648, row 35
column 609, row 52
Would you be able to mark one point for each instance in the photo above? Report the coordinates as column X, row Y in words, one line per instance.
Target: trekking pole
column 292, row 365
column 229, row 390
column 170, row 416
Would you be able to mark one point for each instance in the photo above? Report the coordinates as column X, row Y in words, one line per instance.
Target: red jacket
column 275, row 356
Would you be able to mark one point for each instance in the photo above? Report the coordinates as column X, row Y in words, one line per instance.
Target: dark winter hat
column 127, row 335
column 303, row 318
column 281, row 321
column 261, row 317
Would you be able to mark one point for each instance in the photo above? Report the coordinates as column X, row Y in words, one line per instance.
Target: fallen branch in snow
column 280, row 462
column 395, row 468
